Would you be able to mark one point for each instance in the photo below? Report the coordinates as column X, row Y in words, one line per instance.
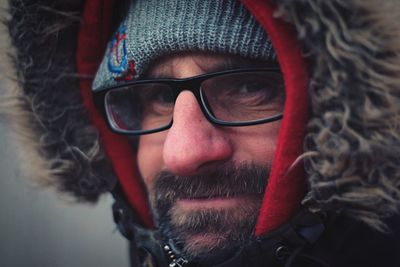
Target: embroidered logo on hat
column 117, row 57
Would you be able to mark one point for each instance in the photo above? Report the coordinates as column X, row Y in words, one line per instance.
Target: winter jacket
column 333, row 196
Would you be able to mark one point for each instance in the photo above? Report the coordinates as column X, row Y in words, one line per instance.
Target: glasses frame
column 191, row 84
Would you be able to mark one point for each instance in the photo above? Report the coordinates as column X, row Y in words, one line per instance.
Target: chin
column 210, row 232
column 197, row 245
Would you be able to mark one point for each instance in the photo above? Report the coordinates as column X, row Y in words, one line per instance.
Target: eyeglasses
column 239, row 97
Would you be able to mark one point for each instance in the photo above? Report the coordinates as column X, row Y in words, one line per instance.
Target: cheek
column 149, row 157
column 256, row 143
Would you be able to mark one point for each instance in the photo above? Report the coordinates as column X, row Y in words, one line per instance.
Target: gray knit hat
column 154, row 28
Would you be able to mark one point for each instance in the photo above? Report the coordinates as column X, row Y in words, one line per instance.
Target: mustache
column 225, row 181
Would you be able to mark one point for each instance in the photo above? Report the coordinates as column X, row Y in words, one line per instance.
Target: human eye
column 250, row 87
column 158, row 96
column 253, row 90
column 243, row 91
column 157, row 99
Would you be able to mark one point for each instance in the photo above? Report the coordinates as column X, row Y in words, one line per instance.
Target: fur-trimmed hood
column 352, row 143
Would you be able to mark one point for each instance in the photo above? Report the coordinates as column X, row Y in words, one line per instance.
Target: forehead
column 167, row 66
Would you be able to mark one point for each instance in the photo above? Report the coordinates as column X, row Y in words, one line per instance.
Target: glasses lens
column 140, row 107
column 245, row 96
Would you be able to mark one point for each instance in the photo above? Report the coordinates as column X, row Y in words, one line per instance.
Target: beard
column 209, row 231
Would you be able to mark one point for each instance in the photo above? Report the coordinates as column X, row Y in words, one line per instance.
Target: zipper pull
column 173, row 261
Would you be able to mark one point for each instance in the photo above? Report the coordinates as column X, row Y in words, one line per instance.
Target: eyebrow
column 230, row 63
column 238, row 62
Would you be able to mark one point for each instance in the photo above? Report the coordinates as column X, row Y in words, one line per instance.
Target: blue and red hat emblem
column 118, row 57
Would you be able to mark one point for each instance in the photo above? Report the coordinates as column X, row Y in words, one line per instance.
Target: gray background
column 38, row 229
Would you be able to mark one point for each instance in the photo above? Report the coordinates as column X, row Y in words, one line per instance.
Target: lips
column 211, row 195
column 215, row 202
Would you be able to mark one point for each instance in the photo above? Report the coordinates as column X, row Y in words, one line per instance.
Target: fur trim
column 353, row 48
column 60, row 148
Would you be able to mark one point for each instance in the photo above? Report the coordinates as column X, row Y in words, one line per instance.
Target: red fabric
column 93, row 36
column 285, row 188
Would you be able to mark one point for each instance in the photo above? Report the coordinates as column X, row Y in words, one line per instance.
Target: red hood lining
column 92, row 42
column 285, row 188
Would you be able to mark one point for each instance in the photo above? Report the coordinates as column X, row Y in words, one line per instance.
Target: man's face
column 205, row 182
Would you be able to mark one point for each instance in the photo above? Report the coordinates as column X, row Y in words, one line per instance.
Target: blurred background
column 37, row 227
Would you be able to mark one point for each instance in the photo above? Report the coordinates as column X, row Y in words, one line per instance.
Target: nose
column 192, row 142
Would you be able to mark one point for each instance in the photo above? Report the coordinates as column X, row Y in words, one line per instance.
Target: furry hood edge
column 352, row 146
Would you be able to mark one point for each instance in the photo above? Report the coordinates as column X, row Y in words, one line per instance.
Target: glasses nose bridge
column 191, row 85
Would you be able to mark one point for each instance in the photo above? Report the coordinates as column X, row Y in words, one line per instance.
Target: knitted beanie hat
column 154, row 28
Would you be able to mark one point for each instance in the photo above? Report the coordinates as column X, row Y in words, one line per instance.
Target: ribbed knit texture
column 156, row 28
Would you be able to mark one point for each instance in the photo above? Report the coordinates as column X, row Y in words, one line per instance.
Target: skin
column 193, row 144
